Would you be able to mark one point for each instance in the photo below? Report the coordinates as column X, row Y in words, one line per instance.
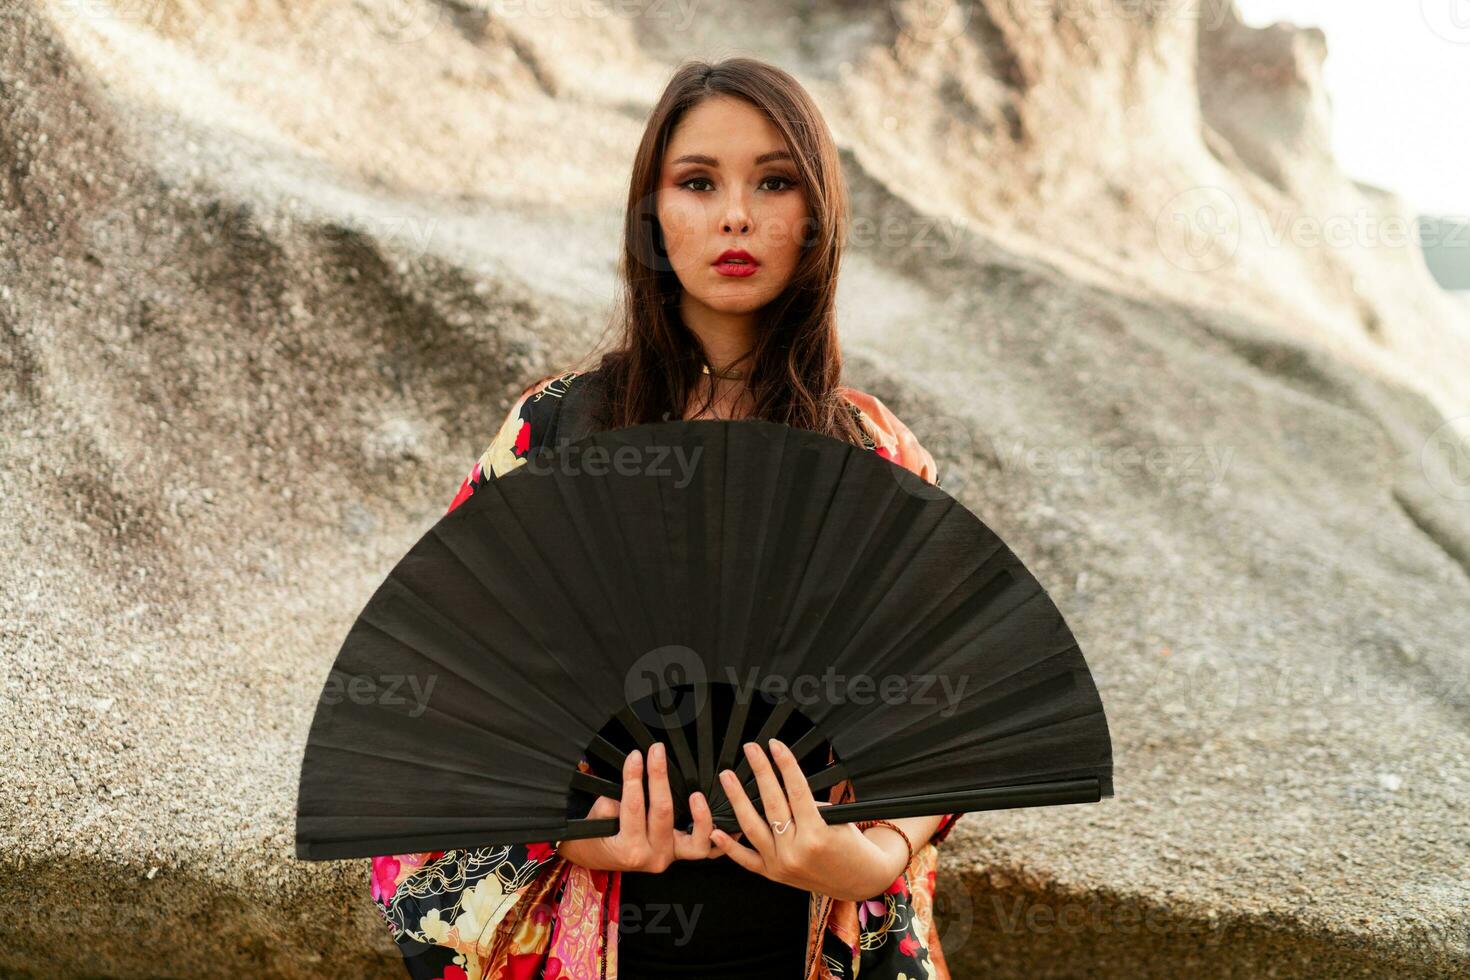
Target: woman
column 736, row 216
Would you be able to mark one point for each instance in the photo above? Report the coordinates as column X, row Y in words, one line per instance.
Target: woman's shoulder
column 527, row 421
column 877, row 418
column 554, row 385
column 893, row 438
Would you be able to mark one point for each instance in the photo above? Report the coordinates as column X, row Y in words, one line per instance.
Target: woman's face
column 728, row 183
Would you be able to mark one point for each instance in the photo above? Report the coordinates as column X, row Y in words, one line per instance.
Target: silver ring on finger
column 781, row 826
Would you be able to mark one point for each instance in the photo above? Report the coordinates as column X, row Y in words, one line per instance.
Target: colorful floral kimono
column 521, row 912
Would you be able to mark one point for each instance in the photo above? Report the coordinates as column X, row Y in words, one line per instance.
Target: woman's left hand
column 832, row 859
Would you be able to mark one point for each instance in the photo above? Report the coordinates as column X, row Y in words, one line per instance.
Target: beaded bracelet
column 865, row 824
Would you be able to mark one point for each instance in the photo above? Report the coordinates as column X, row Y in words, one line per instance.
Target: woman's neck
column 731, row 401
column 726, row 337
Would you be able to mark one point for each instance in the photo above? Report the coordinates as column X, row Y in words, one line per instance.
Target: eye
column 783, row 182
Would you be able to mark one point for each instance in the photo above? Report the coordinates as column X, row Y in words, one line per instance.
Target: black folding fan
column 700, row 583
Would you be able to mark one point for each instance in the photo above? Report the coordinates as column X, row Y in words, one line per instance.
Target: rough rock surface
column 269, row 274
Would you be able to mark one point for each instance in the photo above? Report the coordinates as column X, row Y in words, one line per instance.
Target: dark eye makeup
column 786, row 182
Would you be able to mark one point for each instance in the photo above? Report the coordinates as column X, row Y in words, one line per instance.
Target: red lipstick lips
column 736, row 262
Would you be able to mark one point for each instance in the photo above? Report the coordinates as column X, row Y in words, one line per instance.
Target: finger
column 704, row 822
column 631, row 814
column 798, row 793
column 660, row 801
column 605, row 806
column 739, row 853
column 773, row 797
column 695, row 844
column 757, row 831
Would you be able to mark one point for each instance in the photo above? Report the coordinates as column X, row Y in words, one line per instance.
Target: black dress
column 710, row 919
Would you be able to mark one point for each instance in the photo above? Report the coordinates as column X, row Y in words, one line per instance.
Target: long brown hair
column 795, row 366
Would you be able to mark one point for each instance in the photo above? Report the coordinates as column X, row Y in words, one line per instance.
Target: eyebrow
column 709, row 161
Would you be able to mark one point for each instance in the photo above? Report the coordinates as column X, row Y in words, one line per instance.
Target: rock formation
column 270, row 273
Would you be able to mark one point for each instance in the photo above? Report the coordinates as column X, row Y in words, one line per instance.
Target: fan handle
column 968, row 801
column 1054, row 793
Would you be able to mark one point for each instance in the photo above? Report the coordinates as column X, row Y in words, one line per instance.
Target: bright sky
column 1399, row 75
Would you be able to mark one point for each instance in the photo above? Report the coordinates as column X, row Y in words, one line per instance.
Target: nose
column 737, row 216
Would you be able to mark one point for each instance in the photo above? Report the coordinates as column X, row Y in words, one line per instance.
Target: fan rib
column 596, row 785
column 1050, row 793
column 607, row 509
column 831, row 513
column 837, row 717
column 474, row 729
column 767, row 491
column 607, row 752
column 734, row 727
column 426, row 610
column 879, row 544
column 891, row 736
column 419, row 764
column 706, row 736
column 917, row 631
column 548, row 572
column 828, row 776
column 767, row 731
column 678, row 741
column 645, row 740
column 911, row 749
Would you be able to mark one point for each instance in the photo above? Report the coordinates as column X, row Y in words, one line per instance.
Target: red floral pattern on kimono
column 522, row 912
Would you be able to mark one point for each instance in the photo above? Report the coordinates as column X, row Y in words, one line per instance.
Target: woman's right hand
column 646, row 839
